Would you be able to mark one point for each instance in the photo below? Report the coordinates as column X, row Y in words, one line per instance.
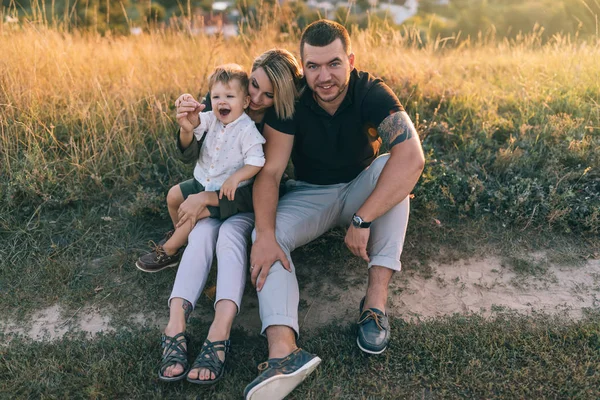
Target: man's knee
column 280, row 236
column 377, row 165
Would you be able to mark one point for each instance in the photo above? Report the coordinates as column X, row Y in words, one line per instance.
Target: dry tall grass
column 83, row 114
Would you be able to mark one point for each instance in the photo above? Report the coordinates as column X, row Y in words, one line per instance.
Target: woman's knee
column 205, row 231
column 235, row 232
column 231, row 237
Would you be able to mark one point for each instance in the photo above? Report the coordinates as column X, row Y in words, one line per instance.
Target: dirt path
column 473, row 285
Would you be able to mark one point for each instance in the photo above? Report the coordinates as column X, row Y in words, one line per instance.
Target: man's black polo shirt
column 335, row 148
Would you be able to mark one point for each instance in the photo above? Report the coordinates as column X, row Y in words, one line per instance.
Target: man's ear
column 351, row 60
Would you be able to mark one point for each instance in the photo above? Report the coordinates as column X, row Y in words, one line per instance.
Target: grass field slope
column 511, row 132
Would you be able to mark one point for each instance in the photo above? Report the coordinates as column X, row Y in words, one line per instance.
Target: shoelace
column 158, row 249
column 153, row 245
column 371, row 315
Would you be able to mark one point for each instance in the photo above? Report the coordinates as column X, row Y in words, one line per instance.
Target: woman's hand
column 187, row 112
column 191, row 209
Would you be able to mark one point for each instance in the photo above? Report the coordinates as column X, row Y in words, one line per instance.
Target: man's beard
column 337, row 95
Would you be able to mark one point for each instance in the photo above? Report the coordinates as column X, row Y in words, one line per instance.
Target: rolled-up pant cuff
column 280, row 320
column 386, row 262
column 219, row 298
column 177, row 296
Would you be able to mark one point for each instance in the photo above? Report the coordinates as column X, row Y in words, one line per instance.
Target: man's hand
column 263, row 255
column 356, row 240
column 191, row 209
column 187, row 112
column 229, row 187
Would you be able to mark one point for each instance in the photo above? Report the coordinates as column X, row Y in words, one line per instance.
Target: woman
column 274, row 82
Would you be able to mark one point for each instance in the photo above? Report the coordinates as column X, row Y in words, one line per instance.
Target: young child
column 230, row 157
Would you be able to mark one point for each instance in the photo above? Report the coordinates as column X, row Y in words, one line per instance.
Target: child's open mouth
column 224, row 112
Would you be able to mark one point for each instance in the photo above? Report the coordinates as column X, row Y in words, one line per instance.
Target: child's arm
column 187, row 117
column 254, row 159
column 231, row 184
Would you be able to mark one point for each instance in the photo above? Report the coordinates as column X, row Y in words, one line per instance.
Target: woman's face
column 261, row 90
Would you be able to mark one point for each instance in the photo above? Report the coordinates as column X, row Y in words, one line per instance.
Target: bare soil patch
column 476, row 285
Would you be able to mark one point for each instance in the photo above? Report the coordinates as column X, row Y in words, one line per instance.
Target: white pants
column 229, row 241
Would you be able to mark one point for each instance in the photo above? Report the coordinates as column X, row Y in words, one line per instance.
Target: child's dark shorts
column 242, row 200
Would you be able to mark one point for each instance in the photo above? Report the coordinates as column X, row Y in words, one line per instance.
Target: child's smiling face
column 228, row 100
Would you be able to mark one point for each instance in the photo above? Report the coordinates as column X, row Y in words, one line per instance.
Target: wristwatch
column 358, row 222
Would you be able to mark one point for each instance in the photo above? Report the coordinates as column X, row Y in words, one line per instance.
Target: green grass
column 511, row 131
column 81, row 256
column 507, row 357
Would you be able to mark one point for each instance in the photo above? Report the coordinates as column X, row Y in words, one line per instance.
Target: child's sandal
column 209, row 359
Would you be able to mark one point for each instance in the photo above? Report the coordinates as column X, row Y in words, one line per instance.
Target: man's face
column 327, row 71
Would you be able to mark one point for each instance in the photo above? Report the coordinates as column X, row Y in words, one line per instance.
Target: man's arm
column 397, row 179
column 266, row 250
column 402, row 170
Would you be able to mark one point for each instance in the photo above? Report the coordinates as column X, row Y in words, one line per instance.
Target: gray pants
column 229, row 241
column 307, row 211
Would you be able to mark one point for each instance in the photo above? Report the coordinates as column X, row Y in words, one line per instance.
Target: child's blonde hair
column 227, row 73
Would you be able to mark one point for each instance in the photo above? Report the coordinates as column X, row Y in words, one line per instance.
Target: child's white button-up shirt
column 226, row 149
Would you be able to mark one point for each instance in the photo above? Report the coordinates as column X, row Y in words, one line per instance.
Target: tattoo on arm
column 396, row 129
column 187, row 309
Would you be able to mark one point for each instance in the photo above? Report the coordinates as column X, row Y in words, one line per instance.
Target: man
column 340, row 121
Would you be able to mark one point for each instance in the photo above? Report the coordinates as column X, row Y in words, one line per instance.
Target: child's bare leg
column 174, row 200
column 181, row 234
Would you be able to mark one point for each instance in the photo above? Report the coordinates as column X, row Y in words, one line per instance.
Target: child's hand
column 187, row 112
column 229, row 187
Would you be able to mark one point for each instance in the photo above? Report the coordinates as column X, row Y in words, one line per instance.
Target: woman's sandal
column 174, row 351
column 209, row 359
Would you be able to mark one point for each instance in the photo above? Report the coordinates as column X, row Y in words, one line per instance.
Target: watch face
column 356, row 221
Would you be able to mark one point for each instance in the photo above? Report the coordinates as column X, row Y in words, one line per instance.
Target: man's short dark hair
column 323, row 32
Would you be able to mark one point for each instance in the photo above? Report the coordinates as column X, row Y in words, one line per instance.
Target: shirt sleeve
column 206, row 120
column 191, row 153
column 380, row 102
column 287, row 126
column 252, row 147
column 206, row 102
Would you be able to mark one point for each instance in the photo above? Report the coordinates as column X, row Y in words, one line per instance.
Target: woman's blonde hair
column 285, row 74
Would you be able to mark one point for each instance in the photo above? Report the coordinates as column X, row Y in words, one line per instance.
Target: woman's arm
column 266, row 250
